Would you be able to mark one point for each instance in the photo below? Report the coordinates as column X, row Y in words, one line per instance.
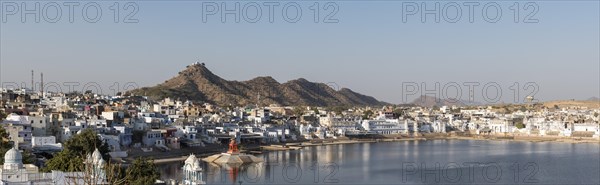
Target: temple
column 13, row 171
column 192, row 171
column 233, row 148
column 233, row 156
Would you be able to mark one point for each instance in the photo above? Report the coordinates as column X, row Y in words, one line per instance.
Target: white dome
column 13, row 156
column 96, row 155
column 95, row 158
column 191, row 159
column 192, row 163
column 13, row 159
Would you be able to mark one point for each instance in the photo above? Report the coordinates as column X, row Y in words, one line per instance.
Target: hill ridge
column 198, row 83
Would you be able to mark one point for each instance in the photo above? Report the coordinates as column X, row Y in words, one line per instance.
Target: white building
column 260, row 115
column 14, row 172
column 153, row 137
column 192, row 171
column 329, row 121
column 45, row 143
column 340, row 125
column 125, row 135
column 383, row 126
column 585, row 127
column 499, row 126
column 190, row 132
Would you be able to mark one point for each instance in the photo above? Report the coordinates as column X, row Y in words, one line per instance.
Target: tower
column 32, row 82
column 42, row 84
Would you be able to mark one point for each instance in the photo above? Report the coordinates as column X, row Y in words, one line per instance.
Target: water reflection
column 416, row 162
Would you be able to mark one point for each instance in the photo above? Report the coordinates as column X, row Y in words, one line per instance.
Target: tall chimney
column 42, row 84
column 32, row 83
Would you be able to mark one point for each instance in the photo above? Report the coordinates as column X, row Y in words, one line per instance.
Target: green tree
column 138, row 136
column 398, row 113
column 315, row 110
column 519, row 123
column 367, row 114
column 523, row 109
column 338, row 109
column 507, row 110
column 4, row 144
column 28, row 157
column 65, row 161
column 86, row 142
column 75, row 150
column 298, row 111
column 141, row 171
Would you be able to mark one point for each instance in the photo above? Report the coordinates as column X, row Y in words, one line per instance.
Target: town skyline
column 168, row 37
column 442, row 91
column 191, row 92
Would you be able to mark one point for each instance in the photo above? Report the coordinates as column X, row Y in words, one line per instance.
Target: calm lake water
column 416, row 162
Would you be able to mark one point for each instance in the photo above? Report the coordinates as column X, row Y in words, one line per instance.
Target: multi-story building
column 383, row 126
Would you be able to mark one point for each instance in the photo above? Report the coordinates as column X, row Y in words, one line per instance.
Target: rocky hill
column 197, row 83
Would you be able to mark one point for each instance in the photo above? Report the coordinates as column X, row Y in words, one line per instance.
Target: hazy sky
column 370, row 49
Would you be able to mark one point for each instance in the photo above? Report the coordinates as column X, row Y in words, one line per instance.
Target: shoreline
column 182, row 158
column 302, row 144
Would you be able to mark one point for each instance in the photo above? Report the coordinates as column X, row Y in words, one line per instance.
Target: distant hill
column 197, row 83
column 430, row 101
column 573, row 103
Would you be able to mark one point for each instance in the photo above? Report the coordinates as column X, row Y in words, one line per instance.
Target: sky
column 548, row 49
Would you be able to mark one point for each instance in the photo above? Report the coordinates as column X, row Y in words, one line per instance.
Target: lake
column 416, row 162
